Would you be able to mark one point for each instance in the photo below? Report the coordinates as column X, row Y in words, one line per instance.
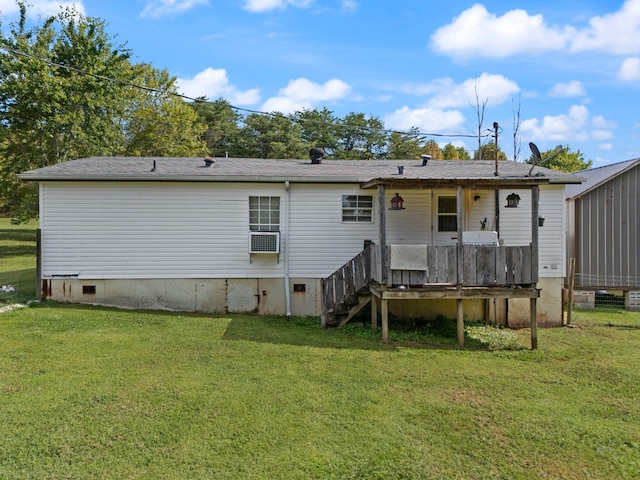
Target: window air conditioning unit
column 264, row 242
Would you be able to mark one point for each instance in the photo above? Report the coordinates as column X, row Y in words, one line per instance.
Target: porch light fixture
column 397, row 202
column 541, row 221
column 513, row 200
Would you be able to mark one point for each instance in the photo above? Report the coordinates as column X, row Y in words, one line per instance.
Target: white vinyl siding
column 515, row 226
column 411, row 226
column 320, row 242
column 151, row 230
column 551, row 236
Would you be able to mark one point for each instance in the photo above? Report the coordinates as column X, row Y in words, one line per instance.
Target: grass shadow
column 297, row 331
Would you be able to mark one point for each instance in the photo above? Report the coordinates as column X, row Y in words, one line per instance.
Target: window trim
column 362, row 211
column 263, row 224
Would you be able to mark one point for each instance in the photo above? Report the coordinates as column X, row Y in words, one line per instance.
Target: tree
column 361, row 137
column 318, row 129
column 463, row 154
column 563, row 159
column 450, row 152
column 404, row 145
column 488, row 152
column 54, row 102
column 432, row 148
column 222, row 134
column 479, row 108
column 160, row 123
column 272, row 136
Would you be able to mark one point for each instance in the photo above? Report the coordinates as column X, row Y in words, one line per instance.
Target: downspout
column 287, row 292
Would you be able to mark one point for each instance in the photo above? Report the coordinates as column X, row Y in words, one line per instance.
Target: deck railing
column 424, row 266
column 343, row 285
column 467, row 265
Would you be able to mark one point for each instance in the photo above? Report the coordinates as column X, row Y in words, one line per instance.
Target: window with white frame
column 264, row 214
column 447, row 213
column 357, row 208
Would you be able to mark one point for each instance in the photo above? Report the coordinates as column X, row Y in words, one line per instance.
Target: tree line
column 68, row 90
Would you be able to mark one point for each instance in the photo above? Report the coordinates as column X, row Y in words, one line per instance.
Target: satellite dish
column 537, row 158
column 536, row 152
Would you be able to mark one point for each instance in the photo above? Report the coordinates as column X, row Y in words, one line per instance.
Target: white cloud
column 616, row 33
column 630, row 69
column 302, row 94
column 478, row 33
column 569, row 89
column 576, row 125
column 426, row 119
column 495, row 89
column 160, row 8
column 349, row 5
column 605, row 147
column 37, row 8
column 214, row 83
column 266, row 5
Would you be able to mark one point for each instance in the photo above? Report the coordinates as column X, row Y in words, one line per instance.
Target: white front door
column 445, row 217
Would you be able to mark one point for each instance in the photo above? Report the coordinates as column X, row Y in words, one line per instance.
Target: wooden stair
column 346, row 291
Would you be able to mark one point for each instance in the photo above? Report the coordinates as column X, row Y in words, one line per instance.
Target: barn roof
column 366, row 172
column 595, row 177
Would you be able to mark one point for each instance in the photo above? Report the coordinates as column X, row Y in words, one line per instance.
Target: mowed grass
column 89, row 393
column 17, row 261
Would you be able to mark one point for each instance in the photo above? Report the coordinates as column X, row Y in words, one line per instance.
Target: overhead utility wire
column 199, row 100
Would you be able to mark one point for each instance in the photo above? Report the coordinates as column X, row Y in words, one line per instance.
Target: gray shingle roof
column 269, row 170
column 597, row 176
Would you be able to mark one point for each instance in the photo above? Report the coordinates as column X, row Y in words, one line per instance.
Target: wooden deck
column 426, row 272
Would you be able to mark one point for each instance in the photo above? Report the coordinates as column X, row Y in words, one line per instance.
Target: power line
column 200, row 100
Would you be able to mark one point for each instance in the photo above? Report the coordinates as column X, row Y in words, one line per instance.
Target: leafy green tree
column 54, row 102
column 463, row 154
column 404, row 145
column 563, row 159
column 222, row 135
column 318, row 129
column 450, row 152
column 488, row 152
column 361, row 137
column 272, row 136
column 160, row 123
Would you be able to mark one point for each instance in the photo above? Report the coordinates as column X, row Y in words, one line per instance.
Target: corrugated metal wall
column 607, row 234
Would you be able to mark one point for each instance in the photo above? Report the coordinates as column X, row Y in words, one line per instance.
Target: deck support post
column 534, row 324
column 385, row 320
column 460, row 323
column 374, row 312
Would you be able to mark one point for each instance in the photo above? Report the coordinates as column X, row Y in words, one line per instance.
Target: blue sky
column 572, row 66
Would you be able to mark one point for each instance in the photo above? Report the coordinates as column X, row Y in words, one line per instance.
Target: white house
column 265, row 236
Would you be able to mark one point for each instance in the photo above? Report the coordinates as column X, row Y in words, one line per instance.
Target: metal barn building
column 603, row 219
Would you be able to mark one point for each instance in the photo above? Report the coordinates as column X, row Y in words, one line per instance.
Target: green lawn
column 17, row 261
column 88, row 393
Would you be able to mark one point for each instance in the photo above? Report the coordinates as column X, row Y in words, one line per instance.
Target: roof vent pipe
column 316, row 155
column 425, row 159
column 208, row 162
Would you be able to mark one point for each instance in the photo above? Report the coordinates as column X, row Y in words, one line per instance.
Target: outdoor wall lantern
column 513, row 201
column 541, row 221
column 397, row 202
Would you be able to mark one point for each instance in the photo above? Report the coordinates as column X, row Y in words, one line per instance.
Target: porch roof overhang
column 475, row 183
